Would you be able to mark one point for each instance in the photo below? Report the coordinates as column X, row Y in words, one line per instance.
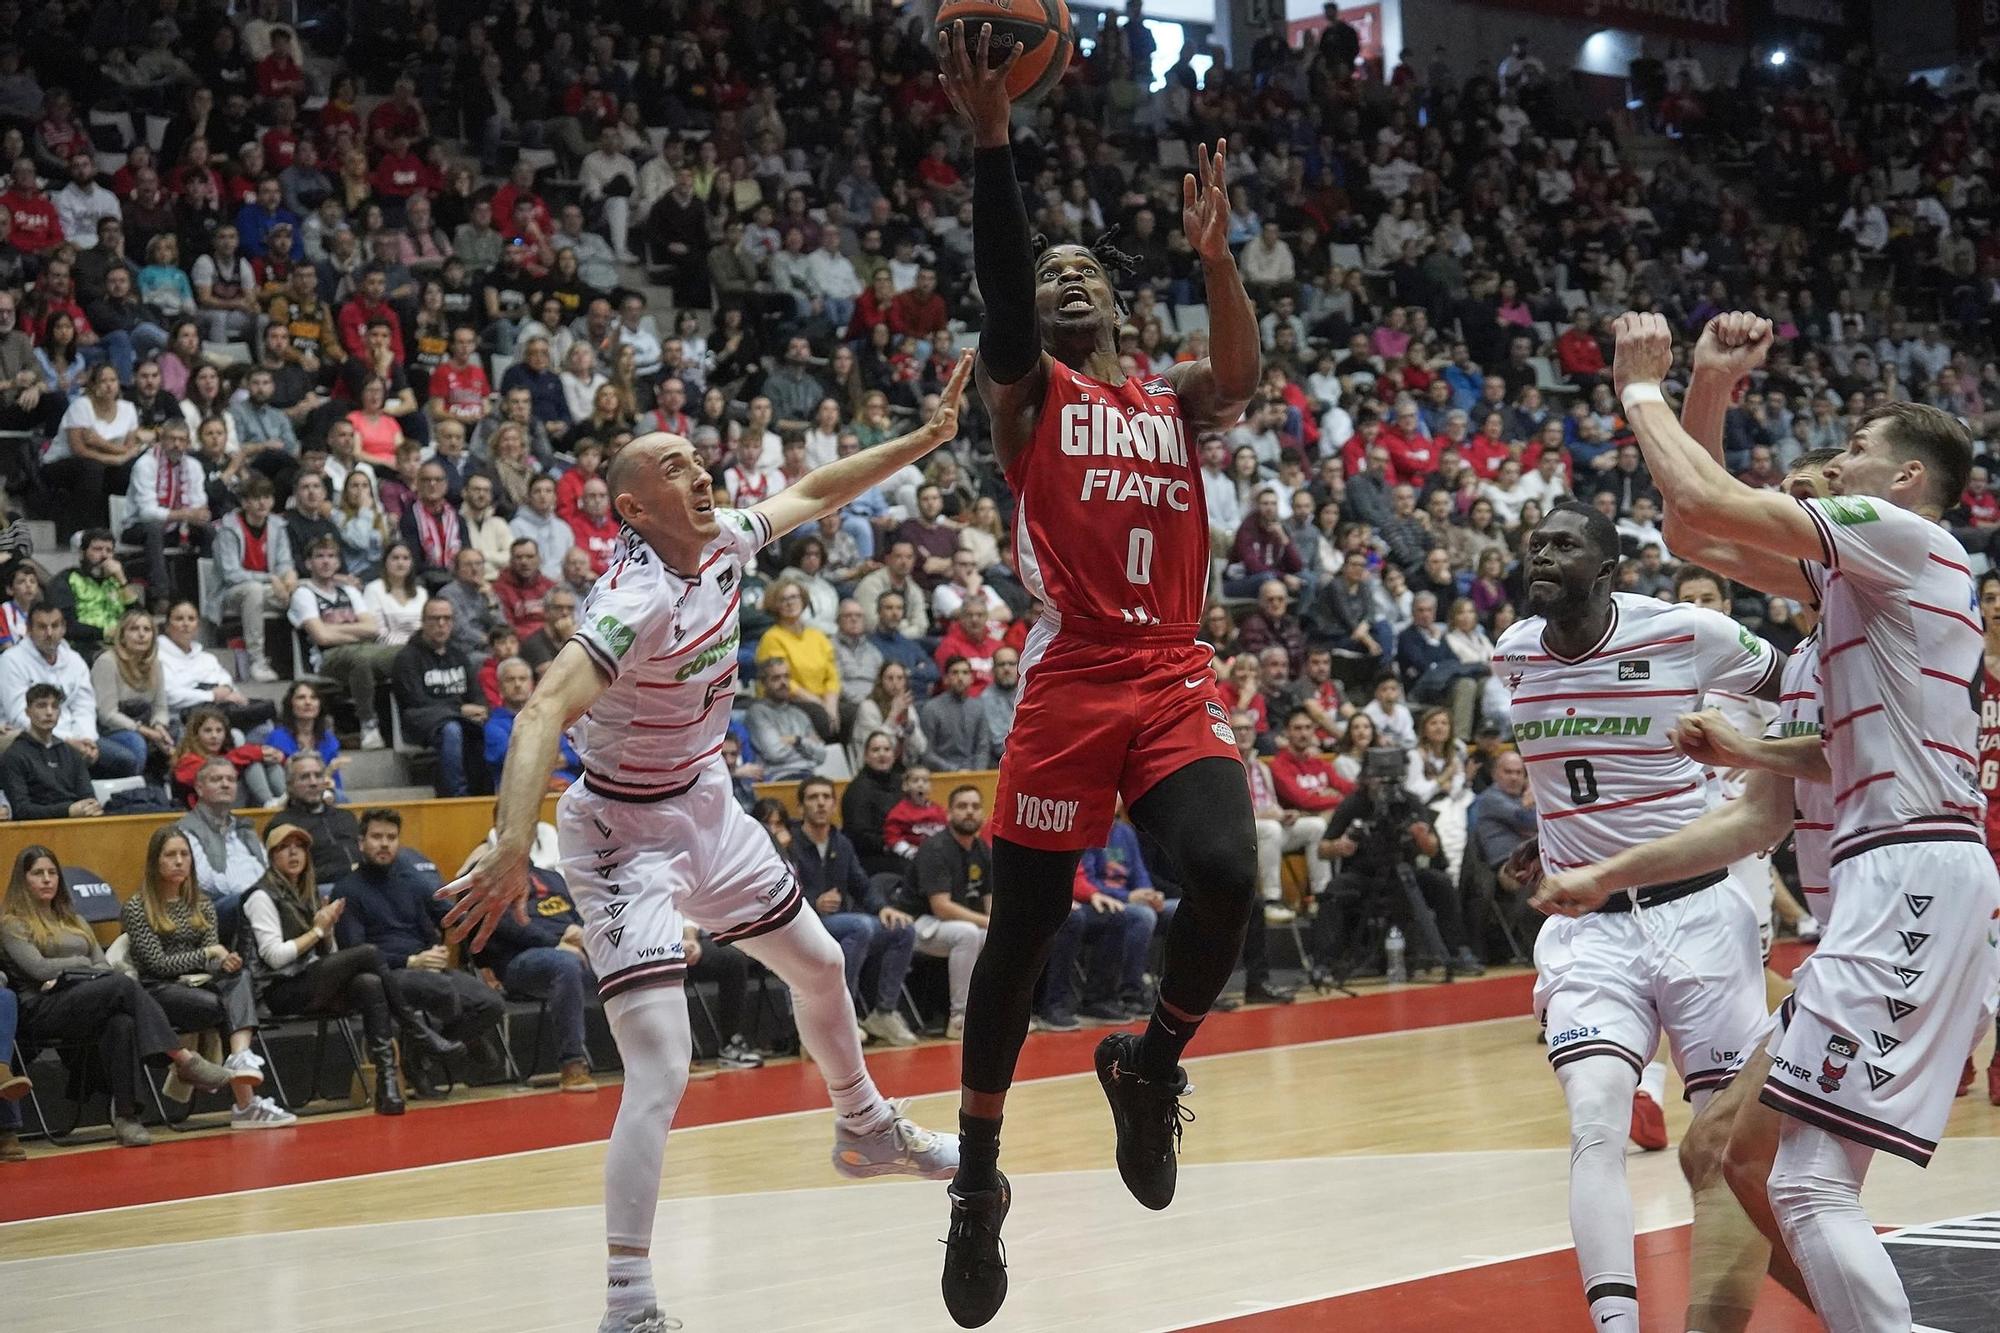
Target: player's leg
column 1201, row 814
column 1816, row 1193
column 1598, row 1093
column 1723, row 1276
column 651, row 1028
column 1747, row 1152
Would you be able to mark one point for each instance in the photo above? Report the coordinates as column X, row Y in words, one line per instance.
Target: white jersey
column 1595, row 730
column 1900, row 655
column 1812, row 802
column 667, row 643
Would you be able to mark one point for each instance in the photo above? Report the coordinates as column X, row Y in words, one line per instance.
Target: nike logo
column 1197, row 682
column 1606, row 1318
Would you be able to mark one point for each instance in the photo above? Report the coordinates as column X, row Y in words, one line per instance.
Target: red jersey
column 1989, row 753
column 1112, row 524
column 463, row 390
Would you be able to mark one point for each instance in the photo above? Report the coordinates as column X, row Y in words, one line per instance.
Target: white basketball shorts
column 1611, row 982
column 640, row 869
column 1894, row 998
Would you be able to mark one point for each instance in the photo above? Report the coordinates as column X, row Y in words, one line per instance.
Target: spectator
column 1391, row 715
column 365, row 528
column 955, row 724
column 932, row 538
column 438, row 690
column 253, row 562
column 1434, row 673
column 193, row 676
column 950, row 892
column 541, row 647
column 865, row 805
column 1347, row 612
column 131, row 690
column 311, row 517
column 431, row 528
column 167, row 505
column 896, row 575
column 1281, row 829
column 336, row 837
column 855, row 912
column 1305, row 779
column 196, row 979
column 477, row 610
column 396, row 600
column 1274, row 625
column 67, row 991
column 596, row 529
column 516, row 681
column 539, row 956
column 522, row 589
column 43, row 777
column 305, row 726
column 807, row 651
column 537, row 521
column 228, row 857
column 1003, row 696
column 301, row 970
column 486, row 531
column 1264, row 550
column 786, row 741
column 895, row 645
column 889, row 709
column 391, row 903
column 48, row 658
column 91, row 455
column 1116, row 903
column 1503, row 816
column 343, row 636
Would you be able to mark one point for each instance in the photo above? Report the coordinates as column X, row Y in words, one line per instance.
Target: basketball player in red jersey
column 1989, row 776
column 1116, row 701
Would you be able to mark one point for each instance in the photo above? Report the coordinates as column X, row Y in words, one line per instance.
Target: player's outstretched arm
column 1755, row 822
column 1707, row 739
column 1012, row 367
column 1731, row 346
column 498, row 881
column 832, row 485
column 1215, row 389
column 1703, row 495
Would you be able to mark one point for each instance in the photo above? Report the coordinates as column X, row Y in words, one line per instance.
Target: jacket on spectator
column 1114, row 869
column 839, row 868
column 551, row 912
column 909, row 826
column 431, row 685
column 23, row 665
column 392, row 907
column 227, row 859
column 865, row 807
column 43, row 781
column 956, row 730
column 336, row 835
column 1307, row 782
column 408, row 530
column 1258, row 632
column 1262, row 552
column 231, row 537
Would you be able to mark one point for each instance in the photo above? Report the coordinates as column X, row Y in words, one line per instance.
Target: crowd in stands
column 330, row 320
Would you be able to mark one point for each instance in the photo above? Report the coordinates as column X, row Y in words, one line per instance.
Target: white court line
column 721, row 1124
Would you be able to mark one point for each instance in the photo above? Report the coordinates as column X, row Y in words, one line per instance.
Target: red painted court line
column 1541, row 1292
column 362, row 1145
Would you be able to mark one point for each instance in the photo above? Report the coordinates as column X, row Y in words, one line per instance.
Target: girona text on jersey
column 1097, row 429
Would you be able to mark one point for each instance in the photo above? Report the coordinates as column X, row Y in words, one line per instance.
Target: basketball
column 1040, row 27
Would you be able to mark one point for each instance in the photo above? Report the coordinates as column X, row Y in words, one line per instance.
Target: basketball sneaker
column 975, row 1261
column 646, row 1321
column 899, row 1148
column 1148, row 1117
column 1649, row 1123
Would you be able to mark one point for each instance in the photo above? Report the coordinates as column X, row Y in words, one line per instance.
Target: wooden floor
column 1387, row 1163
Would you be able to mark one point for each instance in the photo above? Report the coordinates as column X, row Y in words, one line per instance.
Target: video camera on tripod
column 1388, row 842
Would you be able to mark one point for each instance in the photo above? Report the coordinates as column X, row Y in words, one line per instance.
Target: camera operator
column 1390, row 864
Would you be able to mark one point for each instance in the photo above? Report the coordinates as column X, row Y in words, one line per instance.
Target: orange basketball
column 1040, row 27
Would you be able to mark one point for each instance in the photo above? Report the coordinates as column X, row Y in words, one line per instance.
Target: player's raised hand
column 496, row 885
column 975, row 86
column 1205, row 202
column 1569, row 893
column 1642, row 351
column 943, row 424
column 1733, row 344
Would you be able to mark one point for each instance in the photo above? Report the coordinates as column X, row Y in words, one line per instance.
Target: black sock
column 1160, row 1047
column 978, row 1153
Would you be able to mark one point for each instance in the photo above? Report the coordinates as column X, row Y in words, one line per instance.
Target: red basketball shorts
column 1098, row 721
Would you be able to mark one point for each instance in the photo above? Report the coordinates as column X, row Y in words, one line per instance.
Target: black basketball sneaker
column 1148, row 1116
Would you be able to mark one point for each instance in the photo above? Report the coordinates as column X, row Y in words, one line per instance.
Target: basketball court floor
column 1393, row 1163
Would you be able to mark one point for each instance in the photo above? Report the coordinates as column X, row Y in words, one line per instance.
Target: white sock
column 628, row 1286
column 1598, row 1090
column 806, row 959
column 651, row 1026
column 1653, row 1082
column 1816, row 1193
